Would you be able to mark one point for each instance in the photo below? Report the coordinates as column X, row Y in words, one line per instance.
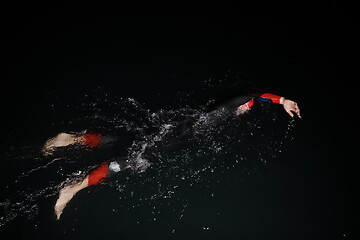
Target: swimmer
column 90, row 140
column 239, row 105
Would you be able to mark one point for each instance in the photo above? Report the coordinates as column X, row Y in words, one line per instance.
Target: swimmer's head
column 244, row 108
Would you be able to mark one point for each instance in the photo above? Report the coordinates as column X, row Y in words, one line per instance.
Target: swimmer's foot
column 66, row 194
column 61, row 140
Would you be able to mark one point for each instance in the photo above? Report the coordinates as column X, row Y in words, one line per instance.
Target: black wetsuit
column 219, row 112
column 212, row 115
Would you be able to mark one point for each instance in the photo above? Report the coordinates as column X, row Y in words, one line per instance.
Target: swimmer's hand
column 291, row 107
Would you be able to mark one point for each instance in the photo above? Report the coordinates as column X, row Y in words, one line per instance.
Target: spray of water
column 167, row 157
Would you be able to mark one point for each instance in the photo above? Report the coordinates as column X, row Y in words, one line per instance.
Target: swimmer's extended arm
column 290, row 106
column 269, row 97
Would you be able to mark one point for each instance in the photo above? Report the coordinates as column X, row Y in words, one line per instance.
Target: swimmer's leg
column 91, row 140
column 67, row 193
column 95, row 177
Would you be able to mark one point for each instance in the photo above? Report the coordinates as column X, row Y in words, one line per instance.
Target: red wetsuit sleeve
column 91, row 139
column 98, row 175
column 274, row 98
column 250, row 104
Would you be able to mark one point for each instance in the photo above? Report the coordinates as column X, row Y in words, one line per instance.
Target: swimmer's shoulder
column 230, row 102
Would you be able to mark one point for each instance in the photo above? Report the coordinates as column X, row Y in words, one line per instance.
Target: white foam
column 142, row 164
column 114, row 166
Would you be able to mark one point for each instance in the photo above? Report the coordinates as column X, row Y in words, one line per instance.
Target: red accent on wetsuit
column 274, row 98
column 250, row 104
column 91, row 139
column 98, row 175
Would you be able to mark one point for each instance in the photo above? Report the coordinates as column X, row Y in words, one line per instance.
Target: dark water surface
column 260, row 176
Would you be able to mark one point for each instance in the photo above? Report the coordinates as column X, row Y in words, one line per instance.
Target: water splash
column 165, row 163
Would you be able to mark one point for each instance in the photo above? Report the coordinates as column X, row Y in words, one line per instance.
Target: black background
column 306, row 51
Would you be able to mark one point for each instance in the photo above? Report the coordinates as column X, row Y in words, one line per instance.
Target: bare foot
column 66, row 194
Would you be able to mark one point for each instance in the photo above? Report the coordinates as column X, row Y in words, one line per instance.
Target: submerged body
column 217, row 114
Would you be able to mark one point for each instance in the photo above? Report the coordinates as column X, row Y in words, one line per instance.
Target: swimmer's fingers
column 297, row 110
column 289, row 106
column 289, row 111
